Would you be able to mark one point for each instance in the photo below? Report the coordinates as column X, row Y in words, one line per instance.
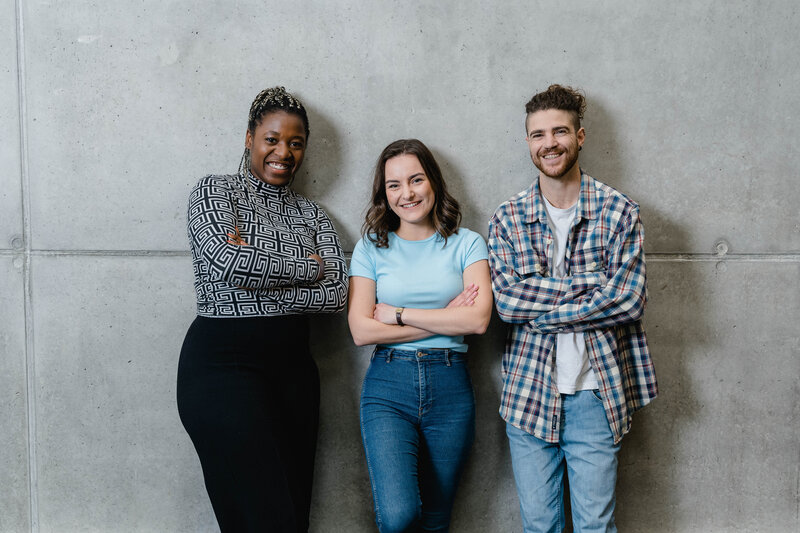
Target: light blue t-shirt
column 423, row 274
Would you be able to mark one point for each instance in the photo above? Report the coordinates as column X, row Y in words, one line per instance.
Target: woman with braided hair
column 264, row 257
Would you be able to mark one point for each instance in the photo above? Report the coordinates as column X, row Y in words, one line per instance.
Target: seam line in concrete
column 792, row 257
column 30, row 366
column 741, row 258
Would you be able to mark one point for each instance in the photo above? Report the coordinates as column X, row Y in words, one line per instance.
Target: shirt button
column 592, row 265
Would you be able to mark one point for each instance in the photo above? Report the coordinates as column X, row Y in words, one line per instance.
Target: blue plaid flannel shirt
column 603, row 295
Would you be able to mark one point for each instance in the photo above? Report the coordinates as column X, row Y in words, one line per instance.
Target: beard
column 568, row 162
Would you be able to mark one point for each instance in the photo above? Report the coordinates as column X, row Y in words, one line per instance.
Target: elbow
column 481, row 327
column 505, row 317
column 358, row 339
column 340, row 305
column 634, row 308
column 336, row 297
column 509, row 318
column 356, row 332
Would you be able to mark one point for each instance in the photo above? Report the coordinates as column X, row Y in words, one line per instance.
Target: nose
column 282, row 150
column 550, row 140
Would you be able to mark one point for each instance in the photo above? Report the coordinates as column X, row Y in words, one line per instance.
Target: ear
column 248, row 140
column 581, row 135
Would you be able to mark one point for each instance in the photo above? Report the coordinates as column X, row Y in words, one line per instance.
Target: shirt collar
column 587, row 207
column 271, row 191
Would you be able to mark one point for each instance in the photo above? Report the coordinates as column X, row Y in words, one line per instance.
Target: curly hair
column 380, row 219
column 267, row 101
column 559, row 97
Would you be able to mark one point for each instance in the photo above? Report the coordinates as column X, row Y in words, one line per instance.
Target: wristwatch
column 398, row 315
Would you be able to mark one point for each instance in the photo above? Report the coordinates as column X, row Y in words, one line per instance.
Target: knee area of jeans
column 400, row 519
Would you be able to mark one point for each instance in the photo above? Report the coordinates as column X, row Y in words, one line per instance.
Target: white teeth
column 551, row 156
column 413, row 204
column 280, row 166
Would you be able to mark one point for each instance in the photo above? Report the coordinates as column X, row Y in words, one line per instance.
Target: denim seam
column 378, row 520
column 420, row 383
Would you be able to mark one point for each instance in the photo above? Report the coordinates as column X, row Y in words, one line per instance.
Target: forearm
column 522, row 300
column 251, row 268
column 369, row 331
column 328, row 295
column 472, row 320
column 213, row 231
column 596, row 312
column 620, row 301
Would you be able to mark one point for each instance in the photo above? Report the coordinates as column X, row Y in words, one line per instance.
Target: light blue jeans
column 417, row 424
column 587, row 450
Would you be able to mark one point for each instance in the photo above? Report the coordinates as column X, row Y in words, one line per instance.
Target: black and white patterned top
column 273, row 274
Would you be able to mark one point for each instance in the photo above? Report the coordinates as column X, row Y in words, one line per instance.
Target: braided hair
column 267, row 101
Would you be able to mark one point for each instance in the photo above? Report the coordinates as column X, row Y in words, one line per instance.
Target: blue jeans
column 587, row 449
column 417, row 424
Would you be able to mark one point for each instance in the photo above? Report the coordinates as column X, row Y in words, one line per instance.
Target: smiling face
column 277, row 147
column 554, row 142
column 409, row 193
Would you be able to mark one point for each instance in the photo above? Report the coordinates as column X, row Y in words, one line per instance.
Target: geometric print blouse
column 273, row 274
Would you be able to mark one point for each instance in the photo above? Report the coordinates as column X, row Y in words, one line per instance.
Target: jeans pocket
column 596, row 394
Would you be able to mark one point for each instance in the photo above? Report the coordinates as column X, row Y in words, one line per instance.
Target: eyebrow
column 408, row 178
column 541, row 130
column 273, row 133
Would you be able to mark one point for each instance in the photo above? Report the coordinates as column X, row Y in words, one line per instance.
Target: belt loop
column 447, row 356
column 389, row 355
column 372, row 356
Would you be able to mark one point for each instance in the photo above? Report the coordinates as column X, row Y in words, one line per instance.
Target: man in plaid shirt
column 568, row 274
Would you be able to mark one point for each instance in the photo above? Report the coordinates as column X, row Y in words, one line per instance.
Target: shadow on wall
column 648, row 488
column 319, row 174
column 458, row 189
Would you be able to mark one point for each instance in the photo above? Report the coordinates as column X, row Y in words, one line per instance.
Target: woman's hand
column 236, row 237
column 385, row 313
column 465, row 298
column 318, row 259
column 388, row 313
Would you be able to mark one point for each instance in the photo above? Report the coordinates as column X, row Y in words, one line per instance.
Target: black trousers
column 248, row 395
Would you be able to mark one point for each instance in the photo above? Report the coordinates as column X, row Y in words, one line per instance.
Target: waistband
column 432, row 355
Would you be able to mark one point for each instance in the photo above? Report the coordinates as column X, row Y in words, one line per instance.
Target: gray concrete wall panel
column 691, row 112
column 714, row 451
column 10, row 166
column 15, row 496
column 113, row 455
column 152, row 95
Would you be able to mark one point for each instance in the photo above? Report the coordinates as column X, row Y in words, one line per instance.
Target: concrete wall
column 110, row 111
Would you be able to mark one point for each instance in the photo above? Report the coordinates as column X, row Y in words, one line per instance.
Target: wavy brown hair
column 380, row 219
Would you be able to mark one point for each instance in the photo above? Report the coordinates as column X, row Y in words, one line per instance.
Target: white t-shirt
column 572, row 369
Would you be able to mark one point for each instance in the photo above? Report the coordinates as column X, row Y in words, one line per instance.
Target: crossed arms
column 468, row 313
column 579, row 302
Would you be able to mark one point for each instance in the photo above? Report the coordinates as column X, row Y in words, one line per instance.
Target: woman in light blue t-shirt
column 418, row 284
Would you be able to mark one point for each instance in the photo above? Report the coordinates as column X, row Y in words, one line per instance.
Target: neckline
column 264, row 188
column 433, row 236
column 558, row 210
